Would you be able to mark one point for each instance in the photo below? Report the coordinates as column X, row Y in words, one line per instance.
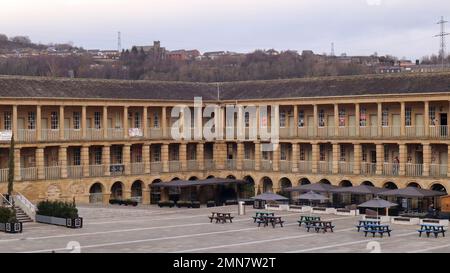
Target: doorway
column 443, row 123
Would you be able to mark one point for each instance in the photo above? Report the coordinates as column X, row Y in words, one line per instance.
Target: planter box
column 11, row 227
column 442, row 222
column 381, row 218
column 347, row 212
column 67, row 222
column 166, row 204
column 324, row 210
column 297, row 208
column 405, row 221
column 277, row 207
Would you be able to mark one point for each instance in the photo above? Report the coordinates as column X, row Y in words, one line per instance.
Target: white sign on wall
column 5, row 135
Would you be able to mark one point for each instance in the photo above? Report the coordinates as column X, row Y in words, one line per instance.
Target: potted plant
column 59, row 213
column 8, row 221
column 166, row 204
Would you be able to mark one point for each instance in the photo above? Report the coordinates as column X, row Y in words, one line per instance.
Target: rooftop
column 364, row 85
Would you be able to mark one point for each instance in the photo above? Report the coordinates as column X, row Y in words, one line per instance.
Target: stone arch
column 247, row 189
column 155, row 193
column 438, row 187
column 345, row 183
column 325, row 181
column 304, row 181
column 117, row 190
column 175, row 178
column 230, row 176
column 285, row 183
column 267, row 184
column 210, row 176
column 136, row 190
column 96, row 191
column 193, row 178
column 413, row 184
column 368, row 183
column 390, row 185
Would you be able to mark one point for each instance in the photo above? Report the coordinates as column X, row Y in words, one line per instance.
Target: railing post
column 357, row 158
column 106, row 159
column 380, row 159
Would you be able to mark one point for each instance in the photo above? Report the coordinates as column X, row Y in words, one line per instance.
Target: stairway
column 21, row 216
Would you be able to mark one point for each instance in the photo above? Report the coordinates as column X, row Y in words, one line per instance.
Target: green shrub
column 57, row 209
column 7, row 215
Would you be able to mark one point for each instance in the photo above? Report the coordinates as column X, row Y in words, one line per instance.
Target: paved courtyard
column 153, row 229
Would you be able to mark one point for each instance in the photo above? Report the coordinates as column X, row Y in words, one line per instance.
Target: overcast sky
column 404, row 28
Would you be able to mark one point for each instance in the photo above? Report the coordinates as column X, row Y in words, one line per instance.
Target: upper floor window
column 408, row 116
column 322, row 153
column 97, row 120
column 76, row 120
column 386, row 153
column 247, row 153
column 118, row 120
column 302, row 153
column 54, row 120
column 156, row 120
column 283, row 153
column 342, row 154
column 282, row 119
column 156, row 155
column 301, row 119
column 98, row 156
column 342, row 117
column 7, row 125
column 432, row 113
column 137, row 120
column 265, row 155
column 31, row 120
column 321, row 118
column 364, row 154
column 76, row 157
column 363, row 117
column 385, row 117
column 247, row 119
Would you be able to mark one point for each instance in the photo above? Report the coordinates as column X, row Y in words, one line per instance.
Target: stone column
column 426, row 159
column 336, row 119
column 38, row 123
column 106, row 159
column 336, row 157
column 294, row 127
column 145, row 196
column 220, row 154
column 200, row 156
column 146, row 157
column 183, row 156
column 380, row 119
column 17, row 167
column 61, row 122
column 448, row 164
column 276, row 158
column 295, row 156
column 62, row 156
column 240, row 155
column 105, row 122
column 426, row 115
column 40, row 162
column 14, row 121
column 380, row 159
column 403, row 150
column 258, row 156
column 83, row 122
column 164, row 122
column 358, row 118
column 357, row 157
column 165, row 157
column 125, row 122
column 316, row 121
column 85, row 160
column 145, row 122
column 402, row 119
column 126, row 158
column 315, row 157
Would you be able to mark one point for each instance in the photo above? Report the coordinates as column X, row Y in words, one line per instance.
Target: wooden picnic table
column 221, row 217
column 274, row 220
column 307, row 219
column 363, row 223
column 261, row 214
column 377, row 229
column 320, row 225
column 431, row 228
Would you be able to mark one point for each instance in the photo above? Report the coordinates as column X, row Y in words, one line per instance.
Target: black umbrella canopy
column 377, row 203
column 361, row 189
column 312, row 196
column 316, row 187
column 268, row 196
column 412, row 192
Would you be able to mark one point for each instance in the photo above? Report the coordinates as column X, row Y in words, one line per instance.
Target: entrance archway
column 193, row 178
column 247, row 190
column 345, row 184
column 96, row 193
column 438, row 187
column 414, row 184
column 117, row 190
column 155, row 193
column 390, row 185
column 304, row 181
column 368, row 183
column 325, row 181
column 267, row 184
column 136, row 191
column 231, row 177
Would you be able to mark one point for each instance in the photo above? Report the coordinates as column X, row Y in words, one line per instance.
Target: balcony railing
column 192, row 165
column 75, row 171
column 391, row 131
column 325, row 131
column 72, row 134
column 437, row 170
column 209, row 164
column 305, row 166
column 266, row 165
column 368, row 131
column 368, row 168
column 303, row 132
column 28, row 173
column 174, row 166
column 94, row 134
column 50, row 134
column 137, row 168
column 439, row 132
column 115, row 133
column 96, row 170
column 3, row 175
column 325, row 167
column 347, row 131
column 231, row 164
column 414, row 169
column 117, row 169
column 52, row 172
column 287, row 132
column 248, row 164
column 345, row 167
column 285, row 166
column 156, row 166
column 415, row 131
column 155, row 133
column 25, row 135
column 391, row 169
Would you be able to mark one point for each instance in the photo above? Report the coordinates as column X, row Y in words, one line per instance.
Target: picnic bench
column 274, row 220
column 307, row 219
column 430, row 228
column 363, row 223
column 376, row 228
column 221, row 217
column 261, row 214
column 320, row 225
